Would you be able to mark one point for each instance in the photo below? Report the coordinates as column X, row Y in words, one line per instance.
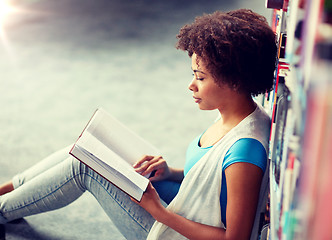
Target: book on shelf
column 111, row 149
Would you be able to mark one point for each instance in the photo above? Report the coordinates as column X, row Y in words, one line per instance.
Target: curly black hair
column 237, row 47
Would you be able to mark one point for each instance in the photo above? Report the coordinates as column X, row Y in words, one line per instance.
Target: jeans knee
column 3, row 220
column 78, row 171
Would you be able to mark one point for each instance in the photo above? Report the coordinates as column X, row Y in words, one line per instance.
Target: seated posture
column 215, row 195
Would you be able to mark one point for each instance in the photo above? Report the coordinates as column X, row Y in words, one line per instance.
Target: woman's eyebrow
column 199, row 71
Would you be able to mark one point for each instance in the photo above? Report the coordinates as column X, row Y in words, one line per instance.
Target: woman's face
column 206, row 92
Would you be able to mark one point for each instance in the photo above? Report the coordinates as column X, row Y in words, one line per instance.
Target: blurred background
column 60, row 60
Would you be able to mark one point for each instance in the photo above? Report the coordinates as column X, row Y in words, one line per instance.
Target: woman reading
column 215, row 195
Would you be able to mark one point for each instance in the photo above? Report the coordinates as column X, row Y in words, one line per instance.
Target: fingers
column 134, row 200
column 157, row 166
column 157, row 177
column 149, row 163
column 147, row 191
column 142, row 160
column 150, row 199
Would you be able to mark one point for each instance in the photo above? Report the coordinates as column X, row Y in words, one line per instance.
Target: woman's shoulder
column 247, row 150
column 256, row 125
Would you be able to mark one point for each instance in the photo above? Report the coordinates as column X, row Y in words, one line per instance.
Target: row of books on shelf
column 315, row 191
column 301, row 132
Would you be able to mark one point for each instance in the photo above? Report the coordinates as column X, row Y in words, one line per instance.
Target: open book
column 111, row 149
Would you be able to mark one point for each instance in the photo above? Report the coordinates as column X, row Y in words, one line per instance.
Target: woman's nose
column 192, row 85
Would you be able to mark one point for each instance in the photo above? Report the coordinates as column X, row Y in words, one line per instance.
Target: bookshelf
column 300, row 106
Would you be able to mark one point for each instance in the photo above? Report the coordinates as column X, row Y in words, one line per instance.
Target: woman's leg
column 40, row 167
column 35, row 170
column 64, row 183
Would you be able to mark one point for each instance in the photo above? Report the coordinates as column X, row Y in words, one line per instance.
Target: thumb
column 155, row 178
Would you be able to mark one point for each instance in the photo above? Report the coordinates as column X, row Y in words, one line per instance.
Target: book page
column 92, row 145
column 109, row 173
column 119, row 138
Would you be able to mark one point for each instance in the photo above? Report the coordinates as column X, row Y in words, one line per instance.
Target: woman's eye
column 197, row 78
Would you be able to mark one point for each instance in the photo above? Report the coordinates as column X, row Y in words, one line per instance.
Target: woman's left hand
column 151, row 202
column 147, row 164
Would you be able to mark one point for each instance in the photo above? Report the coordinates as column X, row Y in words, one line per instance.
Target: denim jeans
column 60, row 179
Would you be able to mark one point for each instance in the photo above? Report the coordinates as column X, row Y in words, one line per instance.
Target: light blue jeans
column 60, row 179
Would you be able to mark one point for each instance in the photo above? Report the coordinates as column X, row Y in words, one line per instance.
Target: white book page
column 91, row 144
column 119, row 138
column 109, row 173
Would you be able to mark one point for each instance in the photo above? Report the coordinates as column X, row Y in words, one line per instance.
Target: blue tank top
column 244, row 150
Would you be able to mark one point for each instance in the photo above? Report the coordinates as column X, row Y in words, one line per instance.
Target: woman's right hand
column 148, row 164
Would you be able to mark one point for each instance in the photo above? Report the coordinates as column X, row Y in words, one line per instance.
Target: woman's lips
column 197, row 100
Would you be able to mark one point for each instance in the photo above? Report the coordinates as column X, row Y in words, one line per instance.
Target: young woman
column 216, row 195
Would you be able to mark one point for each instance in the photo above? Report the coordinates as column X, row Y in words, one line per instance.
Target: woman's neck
column 231, row 116
column 236, row 110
